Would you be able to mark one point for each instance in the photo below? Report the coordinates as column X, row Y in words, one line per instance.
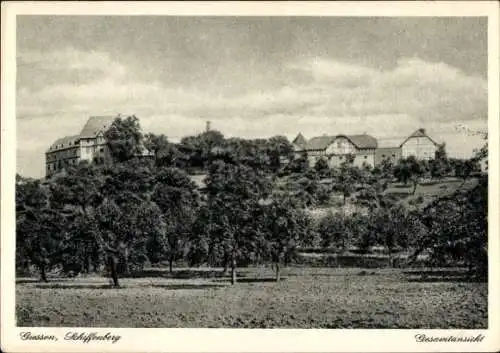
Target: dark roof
column 96, row 124
column 319, row 142
column 64, row 142
column 300, row 140
column 362, row 141
column 419, row 133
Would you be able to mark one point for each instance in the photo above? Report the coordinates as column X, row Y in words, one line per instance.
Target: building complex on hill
column 89, row 145
column 365, row 148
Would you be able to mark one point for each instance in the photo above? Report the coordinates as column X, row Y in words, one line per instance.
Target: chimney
column 208, row 126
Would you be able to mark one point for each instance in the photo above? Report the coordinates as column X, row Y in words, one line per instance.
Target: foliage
column 346, row 177
column 39, row 229
column 124, row 139
column 321, row 167
column 176, row 196
column 286, row 228
column 165, row 153
column 410, row 170
column 457, row 228
column 135, row 211
column 234, row 193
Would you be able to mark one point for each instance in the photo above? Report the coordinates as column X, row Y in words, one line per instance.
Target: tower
column 208, row 126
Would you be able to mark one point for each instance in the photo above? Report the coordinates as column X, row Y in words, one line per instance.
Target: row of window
column 62, row 154
column 60, row 164
column 340, row 157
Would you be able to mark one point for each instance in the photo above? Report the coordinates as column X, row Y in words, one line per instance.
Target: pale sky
column 251, row 77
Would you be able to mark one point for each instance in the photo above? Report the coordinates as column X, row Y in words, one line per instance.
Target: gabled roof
column 319, row 142
column 419, row 133
column 96, row 124
column 300, row 140
column 362, row 141
column 64, row 142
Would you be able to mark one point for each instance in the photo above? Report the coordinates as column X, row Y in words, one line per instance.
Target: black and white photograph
column 251, row 172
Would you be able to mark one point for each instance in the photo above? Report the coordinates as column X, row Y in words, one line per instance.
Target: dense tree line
column 118, row 217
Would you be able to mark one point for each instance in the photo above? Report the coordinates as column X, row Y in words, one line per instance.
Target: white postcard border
column 241, row 340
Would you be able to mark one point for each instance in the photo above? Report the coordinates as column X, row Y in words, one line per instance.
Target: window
column 366, row 157
column 383, row 156
column 394, row 155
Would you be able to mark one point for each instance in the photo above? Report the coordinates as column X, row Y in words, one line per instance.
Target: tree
column 440, row 153
column 233, row 196
column 440, row 165
column 177, row 198
column 334, row 230
column 308, row 187
column 81, row 249
column 346, row 177
column 322, row 168
column 108, row 219
column 141, row 223
column 165, row 153
column 199, row 147
column 80, row 188
column 457, row 229
column 395, row 226
column 39, row 229
column 130, row 180
column 299, row 165
column 124, row 232
column 124, row 138
column 464, row 168
column 409, row 169
column 278, row 147
column 286, row 228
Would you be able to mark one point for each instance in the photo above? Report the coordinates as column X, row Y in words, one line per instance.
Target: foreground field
column 305, row 298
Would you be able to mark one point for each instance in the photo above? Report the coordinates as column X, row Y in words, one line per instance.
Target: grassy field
column 305, row 298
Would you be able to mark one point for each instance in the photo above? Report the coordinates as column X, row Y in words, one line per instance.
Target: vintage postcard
column 250, row 177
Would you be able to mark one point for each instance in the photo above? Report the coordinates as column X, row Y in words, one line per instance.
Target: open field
column 305, row 298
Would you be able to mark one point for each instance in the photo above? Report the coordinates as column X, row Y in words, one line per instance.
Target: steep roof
column 419, row 133
column 362, row 141
column 96, row 124
column 300, row 140
column 64, row 142
column 319, row 142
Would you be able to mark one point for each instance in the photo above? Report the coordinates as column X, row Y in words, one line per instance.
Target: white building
column 335, row 148
column 89, row 145
column 420, row 145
